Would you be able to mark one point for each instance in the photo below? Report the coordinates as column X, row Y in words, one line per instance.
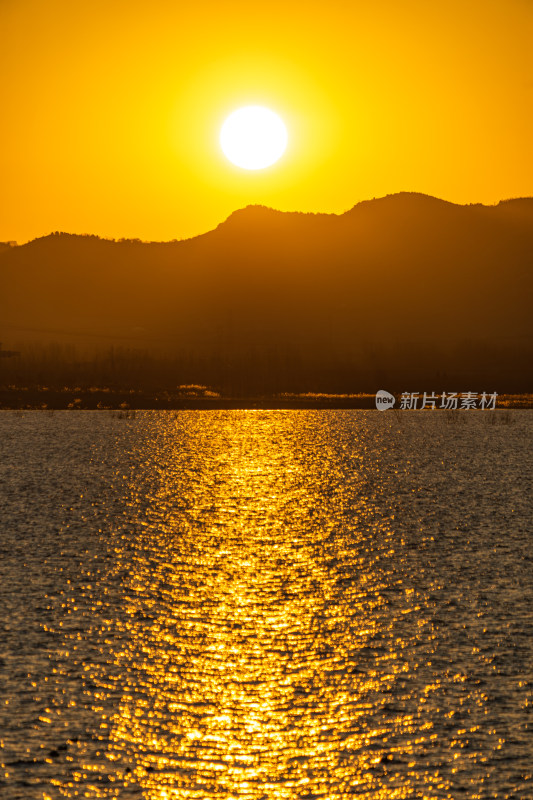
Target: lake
column 266, row 604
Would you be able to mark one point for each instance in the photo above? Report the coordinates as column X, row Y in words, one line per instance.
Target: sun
column 253, row 137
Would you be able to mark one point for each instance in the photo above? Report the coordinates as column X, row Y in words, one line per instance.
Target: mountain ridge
column 406, row 279
column 262, row 211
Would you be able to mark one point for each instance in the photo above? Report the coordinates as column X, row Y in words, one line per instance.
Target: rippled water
column 266, row 604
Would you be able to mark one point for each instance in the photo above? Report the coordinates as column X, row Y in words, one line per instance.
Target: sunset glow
column 112, row 112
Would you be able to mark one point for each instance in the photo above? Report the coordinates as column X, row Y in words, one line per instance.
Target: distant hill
column 394, row 282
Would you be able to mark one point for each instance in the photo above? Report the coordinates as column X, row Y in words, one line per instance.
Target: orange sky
column 111, row 109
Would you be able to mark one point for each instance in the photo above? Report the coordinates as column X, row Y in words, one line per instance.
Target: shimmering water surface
column 266, row 604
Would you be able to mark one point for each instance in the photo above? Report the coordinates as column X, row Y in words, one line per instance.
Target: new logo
column 384, row 400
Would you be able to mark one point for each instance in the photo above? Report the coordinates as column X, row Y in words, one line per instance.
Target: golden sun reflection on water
column 251, row 628
column 252, row 605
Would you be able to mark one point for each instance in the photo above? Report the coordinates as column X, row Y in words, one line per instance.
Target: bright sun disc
column 253, row 137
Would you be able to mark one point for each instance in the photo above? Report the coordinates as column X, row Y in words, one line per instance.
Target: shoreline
column 115, row 400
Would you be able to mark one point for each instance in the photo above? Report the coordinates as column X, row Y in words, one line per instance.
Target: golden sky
column 111, row 109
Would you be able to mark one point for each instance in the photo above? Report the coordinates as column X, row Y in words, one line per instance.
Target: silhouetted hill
column 401, row 280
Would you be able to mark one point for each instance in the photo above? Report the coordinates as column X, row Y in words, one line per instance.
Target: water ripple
column 265, row 605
